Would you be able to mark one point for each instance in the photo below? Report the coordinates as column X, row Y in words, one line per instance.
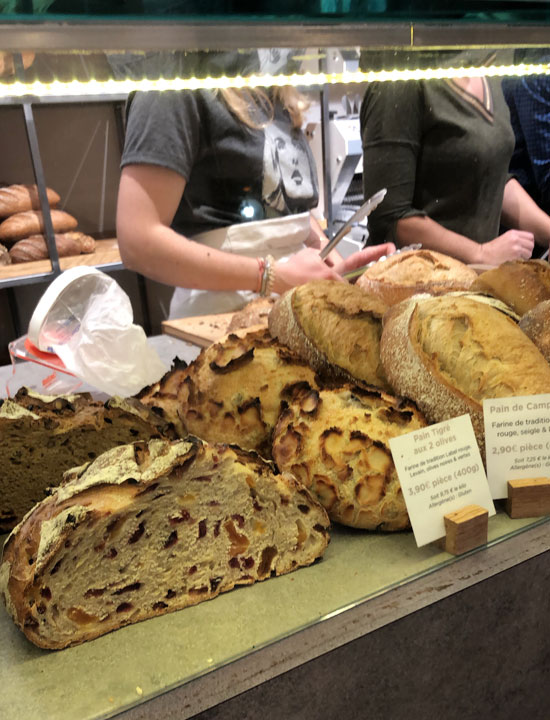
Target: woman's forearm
column 166, row 256
column 520, row 211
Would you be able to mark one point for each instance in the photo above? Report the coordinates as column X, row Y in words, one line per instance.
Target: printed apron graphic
column 289, row 180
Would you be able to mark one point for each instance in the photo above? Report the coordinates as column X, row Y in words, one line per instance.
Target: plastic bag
column 89, row 325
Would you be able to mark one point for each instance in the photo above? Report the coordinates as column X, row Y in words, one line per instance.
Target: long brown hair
column 243, row 104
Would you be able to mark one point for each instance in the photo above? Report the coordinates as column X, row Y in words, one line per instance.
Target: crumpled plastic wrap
column 91, row 329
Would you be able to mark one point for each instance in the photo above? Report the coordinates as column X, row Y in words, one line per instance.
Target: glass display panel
column 362, row 564
column 302, row 10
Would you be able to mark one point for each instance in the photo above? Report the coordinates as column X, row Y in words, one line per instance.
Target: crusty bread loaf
column 450, row 353
column 521, row 284
column 416, row 271
column 31, row 222
column 150, row 528
column 42, row 436
column 336, row 442
column 19, row 198
column 36, row 248
column 233, row 391
column 252, row 314
column 5, row 258
column 334, row 326
column 536, row 325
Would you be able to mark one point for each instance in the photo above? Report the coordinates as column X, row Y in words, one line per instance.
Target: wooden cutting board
column 202, row 330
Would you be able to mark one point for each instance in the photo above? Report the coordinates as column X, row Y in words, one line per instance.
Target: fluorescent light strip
column 118, row 87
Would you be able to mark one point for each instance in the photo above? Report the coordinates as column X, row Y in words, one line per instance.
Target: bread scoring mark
column 233, row 363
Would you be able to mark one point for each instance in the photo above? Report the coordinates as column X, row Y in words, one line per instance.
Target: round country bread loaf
column 233, row 391
column 336, row 442
column 448, row 354
column 335, row 327
column 521, row 284
column 536, row 325
column 415, row 271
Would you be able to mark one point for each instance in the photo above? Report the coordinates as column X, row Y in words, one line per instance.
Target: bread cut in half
column 536, row 325
column 521, row 284
column 336, row 442
column 43, row 436
column 150, row 528
column 450, row 353
column 233, row 391
column 416, row 271
column 335, row 327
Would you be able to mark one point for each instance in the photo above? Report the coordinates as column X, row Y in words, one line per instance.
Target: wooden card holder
column 465, row 529
column 528, row 498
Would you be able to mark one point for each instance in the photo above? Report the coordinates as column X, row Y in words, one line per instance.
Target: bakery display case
column 375, row 600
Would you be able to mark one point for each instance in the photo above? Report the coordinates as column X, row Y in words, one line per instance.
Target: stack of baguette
column 22, row 228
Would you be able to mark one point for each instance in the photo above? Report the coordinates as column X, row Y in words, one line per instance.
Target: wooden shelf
column 106, row 252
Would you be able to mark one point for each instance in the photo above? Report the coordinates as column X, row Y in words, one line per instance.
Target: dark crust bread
column 150, row 528
column 286, row 324
column 336, row 442
column 233, row 391
column 43, row 436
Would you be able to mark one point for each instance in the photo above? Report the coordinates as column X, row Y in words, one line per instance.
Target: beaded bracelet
column 268, row 276
column 261, row 269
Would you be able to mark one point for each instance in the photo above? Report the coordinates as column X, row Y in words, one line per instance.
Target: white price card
column 517, row 440
column 440, row 471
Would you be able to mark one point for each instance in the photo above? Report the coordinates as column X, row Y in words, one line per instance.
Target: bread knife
column 353, row 274
column 364, row 211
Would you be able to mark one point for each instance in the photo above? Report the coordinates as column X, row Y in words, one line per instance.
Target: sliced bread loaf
column 149, row 528
column 42, row 436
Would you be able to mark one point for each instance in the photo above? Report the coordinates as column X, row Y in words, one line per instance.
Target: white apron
column 279, row 237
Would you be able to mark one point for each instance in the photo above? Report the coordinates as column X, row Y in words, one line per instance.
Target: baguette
column 413, row 272
column 19, row 198
column 448, row 354
column 42, row 436
column 36, row 248
column 150, row 528
column 336, row 442
column 31, row 222
column 335, row 327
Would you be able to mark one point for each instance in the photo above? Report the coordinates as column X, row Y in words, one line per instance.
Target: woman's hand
column 512, row 245
column 363, row 257
column 308, row 265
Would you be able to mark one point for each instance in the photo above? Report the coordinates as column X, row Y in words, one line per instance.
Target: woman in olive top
column 442, row 149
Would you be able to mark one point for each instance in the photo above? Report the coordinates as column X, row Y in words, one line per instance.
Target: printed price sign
column 517, row 440
column 440, row 471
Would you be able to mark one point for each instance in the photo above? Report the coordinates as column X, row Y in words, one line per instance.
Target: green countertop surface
column 117, row 671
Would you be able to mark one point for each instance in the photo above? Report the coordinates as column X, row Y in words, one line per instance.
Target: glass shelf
column 142, row 661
